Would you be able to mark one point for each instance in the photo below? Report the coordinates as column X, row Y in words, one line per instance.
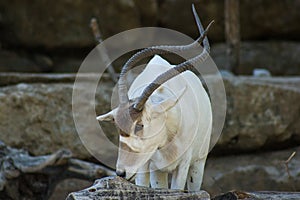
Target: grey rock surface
column 38, row 117
column 259, row 19
column 253, row 172
column 67, row 186
column 268, row 171
column 278, row 57
column 262, row 113
column 65, row 24
column 118, row 188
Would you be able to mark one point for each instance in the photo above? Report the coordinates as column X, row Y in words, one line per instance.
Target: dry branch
column 34, row 177
column 98, row 37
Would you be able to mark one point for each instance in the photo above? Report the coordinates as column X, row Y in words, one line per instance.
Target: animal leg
column 143, row 176
column 179, row 175
column 195, row 175
column 159, row 179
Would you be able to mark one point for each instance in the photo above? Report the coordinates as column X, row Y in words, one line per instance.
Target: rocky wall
column 262, row 113
column 261, row 128
column 39, row 36
column 64, row 24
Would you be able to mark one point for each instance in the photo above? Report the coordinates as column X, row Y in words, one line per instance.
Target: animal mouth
column 131, row 178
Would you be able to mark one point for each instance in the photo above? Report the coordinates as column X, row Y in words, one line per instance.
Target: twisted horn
column 200, row 28
column 163, row 49
column 169, row 74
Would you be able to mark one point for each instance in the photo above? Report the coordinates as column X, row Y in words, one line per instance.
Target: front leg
column 179, row 176
column 159, row 179
column 143, row 177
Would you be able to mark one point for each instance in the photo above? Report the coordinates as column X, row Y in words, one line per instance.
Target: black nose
column 121, row 173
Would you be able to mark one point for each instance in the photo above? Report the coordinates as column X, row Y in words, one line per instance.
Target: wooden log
column 232, row 34
column 118, row 188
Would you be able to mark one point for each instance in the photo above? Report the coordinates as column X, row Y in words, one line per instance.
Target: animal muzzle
column 121, row 173
column 127, row 176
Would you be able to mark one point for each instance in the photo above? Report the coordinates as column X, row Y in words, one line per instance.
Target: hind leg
column 195, row 175
column 179, row 176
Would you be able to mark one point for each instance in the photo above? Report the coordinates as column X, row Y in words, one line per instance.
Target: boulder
column 118, row 188
column 38, row 117
column 262, row 113
column 65, row 23
column 278, row 57
column 36, row 24
column 260, row 195
column 267, row 171
column 23, row 176
column 36, row 114
column 258, row 19
column 67, row 186
column 11, row 61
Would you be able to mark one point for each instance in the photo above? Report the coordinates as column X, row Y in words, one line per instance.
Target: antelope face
column 141, row 133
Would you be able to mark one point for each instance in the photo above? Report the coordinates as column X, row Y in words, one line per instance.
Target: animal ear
column 106, row 117
column 169, row 103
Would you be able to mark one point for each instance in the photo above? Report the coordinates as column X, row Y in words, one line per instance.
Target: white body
column 185, row 131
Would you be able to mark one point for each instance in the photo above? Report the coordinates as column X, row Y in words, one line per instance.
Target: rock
column 13, row 62
column 259, row 20
column 118, row 188
column 226, row 73
column 23, row 176
column 280, row 58
column 262, row 113
column 67, row 186
column 15, row 78
column 267, row 195
column 67, row 64
column 178, row 15
column 253, row 172
column 261, row 73
column 44, row 62
column 148, row 12
column 64, row 24
column 39, row 116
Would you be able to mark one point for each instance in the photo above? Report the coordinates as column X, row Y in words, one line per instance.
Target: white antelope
column 164, row 120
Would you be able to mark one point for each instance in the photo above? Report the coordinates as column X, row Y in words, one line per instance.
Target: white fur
column 177, row 121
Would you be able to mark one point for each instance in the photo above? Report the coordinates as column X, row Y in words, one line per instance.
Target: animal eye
column 138, row 128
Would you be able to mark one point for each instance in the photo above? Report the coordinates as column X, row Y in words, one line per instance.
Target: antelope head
column 140, row 120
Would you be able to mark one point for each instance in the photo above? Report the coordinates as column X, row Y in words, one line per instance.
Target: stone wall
column 64, row 24
column 39, row 36
column 262, row 119
column 262, row 126
column 262, row 113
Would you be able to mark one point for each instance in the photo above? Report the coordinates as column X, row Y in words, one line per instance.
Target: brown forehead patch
column 125, row 117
